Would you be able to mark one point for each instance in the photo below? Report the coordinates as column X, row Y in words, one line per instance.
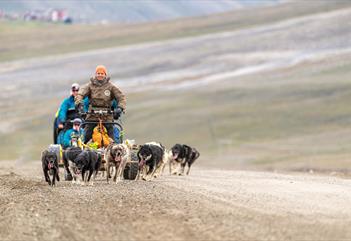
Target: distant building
column 48, row 15
column 59, row 15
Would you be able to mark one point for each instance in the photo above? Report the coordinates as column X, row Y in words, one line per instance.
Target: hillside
column 131, row 11
column 267, row 94
column 22, row 40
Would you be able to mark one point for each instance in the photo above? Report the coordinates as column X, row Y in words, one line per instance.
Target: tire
column 131, row 170
column 68, row 176
column 55, row 131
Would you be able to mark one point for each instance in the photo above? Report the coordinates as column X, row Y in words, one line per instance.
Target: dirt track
column 208, row 205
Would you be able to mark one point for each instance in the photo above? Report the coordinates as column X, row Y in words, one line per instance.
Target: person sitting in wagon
column 75, row 136
column 67, row 109
column 65, row 114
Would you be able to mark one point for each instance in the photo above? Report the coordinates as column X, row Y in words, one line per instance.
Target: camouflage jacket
column 101, row 95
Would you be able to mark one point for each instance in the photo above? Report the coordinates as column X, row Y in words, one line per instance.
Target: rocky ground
column 207, row 205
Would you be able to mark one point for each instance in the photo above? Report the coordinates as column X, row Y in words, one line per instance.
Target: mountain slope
column 271, row 95
column 132, row 11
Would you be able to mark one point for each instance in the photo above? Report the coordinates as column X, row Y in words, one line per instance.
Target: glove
column 117, row 113
column 80, row 108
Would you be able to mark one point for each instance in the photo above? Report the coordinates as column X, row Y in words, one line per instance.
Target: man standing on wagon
column 101, row 93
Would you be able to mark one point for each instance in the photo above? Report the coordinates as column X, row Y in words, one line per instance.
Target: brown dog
column 116, row 156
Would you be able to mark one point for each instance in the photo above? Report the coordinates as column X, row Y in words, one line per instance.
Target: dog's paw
column 148, row 178
column 91, row 184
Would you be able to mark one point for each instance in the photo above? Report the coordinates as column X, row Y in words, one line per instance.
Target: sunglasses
column 76, row 124
column 75, row 90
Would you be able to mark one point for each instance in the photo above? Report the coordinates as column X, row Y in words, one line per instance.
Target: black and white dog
column 50, row 165
column 70, row 154
column 150, row 157
column 184, row 155
column 87, row 163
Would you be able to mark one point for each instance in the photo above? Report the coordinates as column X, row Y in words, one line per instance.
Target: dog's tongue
column 50, row 166
column 141, row 163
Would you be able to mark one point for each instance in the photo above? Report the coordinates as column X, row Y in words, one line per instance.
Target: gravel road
column 207, row 205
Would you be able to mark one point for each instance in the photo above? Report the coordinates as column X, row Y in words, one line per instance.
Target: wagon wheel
column 67, row 176
column 131, row 169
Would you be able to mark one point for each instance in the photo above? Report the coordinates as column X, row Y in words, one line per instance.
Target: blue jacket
column 69, row 134
column 67, row 104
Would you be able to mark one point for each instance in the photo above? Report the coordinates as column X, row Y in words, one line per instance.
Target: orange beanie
column 101, row 68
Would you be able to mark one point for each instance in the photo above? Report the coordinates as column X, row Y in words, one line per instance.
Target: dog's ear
column 141, row 147
column 124, row 150
column 93, row 156
column 176, row 147
column 182, row 151
column 56, row 160
column 113, row 151
column 43, row 155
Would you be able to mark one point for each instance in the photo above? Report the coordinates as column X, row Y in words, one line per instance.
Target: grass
column 20, row 40
column 297, row 119
column 261, row 121
column 294, row 119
